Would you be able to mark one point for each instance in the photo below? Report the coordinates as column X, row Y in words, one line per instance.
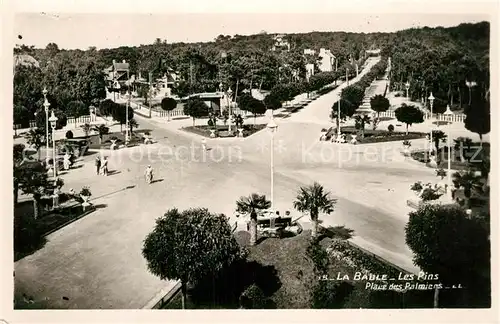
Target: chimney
column 124, row 61
column 114, row 61
column 140, row 75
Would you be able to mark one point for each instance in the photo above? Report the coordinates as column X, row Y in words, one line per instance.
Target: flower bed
column 222, row 131
column 379, row 136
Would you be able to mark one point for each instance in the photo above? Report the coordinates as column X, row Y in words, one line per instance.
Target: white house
column 326, row 60
column 280, row 43
column 309, row 51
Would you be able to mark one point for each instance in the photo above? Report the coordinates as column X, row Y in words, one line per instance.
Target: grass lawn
column 29, row 233
column 456, row 163
column 378, row 136
column 283, row 270
column 204, row 130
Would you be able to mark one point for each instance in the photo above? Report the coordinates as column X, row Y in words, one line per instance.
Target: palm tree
column 86, row 129
column 101, row 129
column 250, row 205
column 314, row 199
column 467, row 180
column 361, row 121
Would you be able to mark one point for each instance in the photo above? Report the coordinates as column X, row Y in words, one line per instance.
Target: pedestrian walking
column 98, row 164
column 104, row 166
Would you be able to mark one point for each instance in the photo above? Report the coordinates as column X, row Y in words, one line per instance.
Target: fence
column 79, row 120
column 439, row 117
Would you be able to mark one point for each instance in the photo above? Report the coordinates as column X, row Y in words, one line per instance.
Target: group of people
column 101, row 166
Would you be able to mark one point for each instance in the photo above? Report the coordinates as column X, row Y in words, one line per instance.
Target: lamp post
column 126, row 117
column 272, row 128
column 53, row 120
column 338, row 115
column 229, row 96
column 46, row 105
column 407, row 86
column 449, row 197
column 470, row 84
column 431, row 101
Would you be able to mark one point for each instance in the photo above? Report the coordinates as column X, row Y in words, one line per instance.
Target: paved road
column 96, row 262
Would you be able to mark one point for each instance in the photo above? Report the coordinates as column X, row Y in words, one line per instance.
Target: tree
column 254, row 106
column 360, row 122
column 168, row 104
column 195, row 108
column 86, row 129
column 354, row 94
column 69, row 135
column 314, row 199
column 272, row 101
column 379, row 103
column 447, row 243
column 409, row 115
column 36, row 139
column 346, row 110
column 32, row 180
column 437, row 137
column 251, row 205
column 478, row 119
column 467, row 180
column 18, row 161
column 189, row 245
column 101, row 130
column 119, row 113
column 77, row 108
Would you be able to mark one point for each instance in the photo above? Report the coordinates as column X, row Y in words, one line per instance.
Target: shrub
column 429, row 194
column 319, row 257
column 85, row 191
column 69, row 134
column 406, row 143
column 417, row 186
column 390, row 128
column 253, row 298
column 328, row 294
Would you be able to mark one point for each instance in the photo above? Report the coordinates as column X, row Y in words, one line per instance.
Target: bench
column 280, row 222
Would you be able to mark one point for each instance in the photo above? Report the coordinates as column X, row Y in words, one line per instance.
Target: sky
column 108, row 30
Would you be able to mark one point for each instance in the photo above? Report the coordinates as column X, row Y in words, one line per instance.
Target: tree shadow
column 332, row 232
column 225, row 288
column 28, row 237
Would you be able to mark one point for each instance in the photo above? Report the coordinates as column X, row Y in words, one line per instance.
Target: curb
column 163, row 297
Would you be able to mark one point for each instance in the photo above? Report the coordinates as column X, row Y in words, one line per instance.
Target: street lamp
column 272, row 128
column 431, row 101
column 407, row 86
column 53, row 120
column 470, row 84
column 449, row 113
column 229, row 96
column 46, row 105
column 126, row 117
column 338, row 115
